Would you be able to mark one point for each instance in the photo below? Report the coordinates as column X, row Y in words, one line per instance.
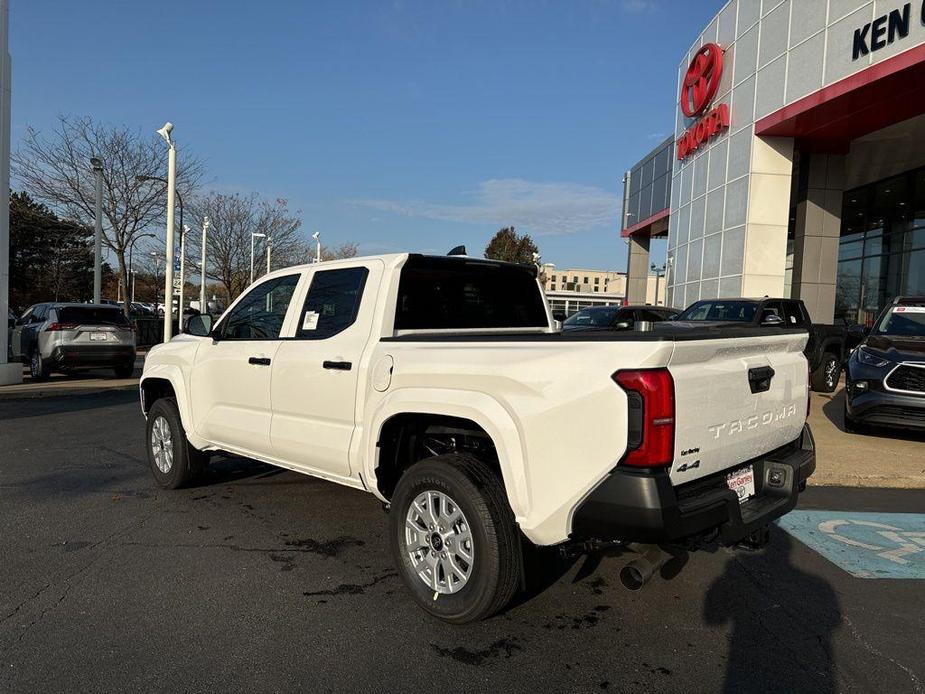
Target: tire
column 494, row 544
column 38, row 367
column 825, row 376
column 180, row 463
column 125, row 370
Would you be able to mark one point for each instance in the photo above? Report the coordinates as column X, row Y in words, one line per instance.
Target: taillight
column 54, row 327
column 650, row 411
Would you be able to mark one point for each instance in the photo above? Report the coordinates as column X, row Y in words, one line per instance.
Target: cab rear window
column 91, row 315
column 452, row 293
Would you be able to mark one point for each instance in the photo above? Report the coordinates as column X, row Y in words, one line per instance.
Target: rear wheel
column 825, row 376
column 174, row 462
column 38, row 367
column 454, row 539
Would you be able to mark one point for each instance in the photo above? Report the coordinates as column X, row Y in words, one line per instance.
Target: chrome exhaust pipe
column 640, row 570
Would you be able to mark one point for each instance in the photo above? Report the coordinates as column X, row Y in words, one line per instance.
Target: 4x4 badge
column 688, row 466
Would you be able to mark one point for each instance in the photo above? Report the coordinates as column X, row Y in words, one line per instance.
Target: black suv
column 886, row 374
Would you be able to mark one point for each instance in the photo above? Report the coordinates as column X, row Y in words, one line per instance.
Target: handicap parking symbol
column 866, row 545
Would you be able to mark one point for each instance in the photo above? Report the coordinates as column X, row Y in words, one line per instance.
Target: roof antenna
column 459, row 250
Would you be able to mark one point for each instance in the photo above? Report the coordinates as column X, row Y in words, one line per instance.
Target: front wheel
column 174, row 462
column 454, row 539
column 825, row 376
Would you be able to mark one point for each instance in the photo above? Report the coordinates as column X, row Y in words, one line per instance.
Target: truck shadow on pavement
column 780, row 620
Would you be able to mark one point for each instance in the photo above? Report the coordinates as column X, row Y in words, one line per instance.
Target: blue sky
column 401, row 125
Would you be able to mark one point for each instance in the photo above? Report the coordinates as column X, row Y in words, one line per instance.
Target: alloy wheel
column 162, row 445
column 438, row 541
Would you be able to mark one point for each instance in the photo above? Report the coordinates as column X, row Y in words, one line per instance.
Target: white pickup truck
column 441, row 385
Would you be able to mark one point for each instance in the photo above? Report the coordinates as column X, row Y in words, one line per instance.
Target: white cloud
column 538, row 208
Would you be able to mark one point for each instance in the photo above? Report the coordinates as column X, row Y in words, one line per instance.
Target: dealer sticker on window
column 742, row 482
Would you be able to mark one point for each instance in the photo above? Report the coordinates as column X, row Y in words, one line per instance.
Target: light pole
column 131, row 265
column 254, row 235
column 171, row 194
column 317, row 237
column 202, row 269
column 659, row 273
column 183, row 233
column 142, row 179
column 97, row 165
column 269, row 249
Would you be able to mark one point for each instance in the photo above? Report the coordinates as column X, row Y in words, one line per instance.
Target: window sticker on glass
column 909, row 309
column 310, row 320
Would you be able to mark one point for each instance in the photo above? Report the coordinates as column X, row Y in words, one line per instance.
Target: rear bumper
column 76, row 356
column 636, row 506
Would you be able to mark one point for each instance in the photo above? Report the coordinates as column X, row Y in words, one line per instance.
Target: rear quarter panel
column 556, row 400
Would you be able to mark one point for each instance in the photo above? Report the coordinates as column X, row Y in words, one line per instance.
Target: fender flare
column 480, row 408
column 173, row 375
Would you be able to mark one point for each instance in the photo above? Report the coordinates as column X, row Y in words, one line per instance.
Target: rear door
column 724, row 414
column 316, row 372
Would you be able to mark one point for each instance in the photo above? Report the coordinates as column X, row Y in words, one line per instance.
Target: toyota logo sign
column 701, row 80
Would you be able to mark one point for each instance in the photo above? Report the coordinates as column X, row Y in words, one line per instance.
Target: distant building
column 573, row 289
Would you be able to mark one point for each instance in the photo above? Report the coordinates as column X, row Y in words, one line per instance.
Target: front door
column 230, row 381
column 315, row 374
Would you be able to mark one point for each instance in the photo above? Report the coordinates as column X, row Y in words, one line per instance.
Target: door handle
column 259, row 361
column 338, row 365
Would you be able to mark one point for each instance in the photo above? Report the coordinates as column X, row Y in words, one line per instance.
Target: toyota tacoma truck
column 440, row 385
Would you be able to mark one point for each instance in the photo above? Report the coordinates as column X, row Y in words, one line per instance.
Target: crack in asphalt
column 870, row 648
column 352, row 588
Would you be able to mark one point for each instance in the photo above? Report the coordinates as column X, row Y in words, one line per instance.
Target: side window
column 332, row 303
column 792, row 313
column 652, row 316
column 38, row 314
column 772, row 308
column 260, row 314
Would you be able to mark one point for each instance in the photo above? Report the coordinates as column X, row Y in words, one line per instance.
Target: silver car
column 66, row 337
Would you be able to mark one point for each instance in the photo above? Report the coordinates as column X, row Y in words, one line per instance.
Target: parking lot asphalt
column 261, row 579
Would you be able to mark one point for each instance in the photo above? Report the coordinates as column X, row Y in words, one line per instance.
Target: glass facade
column 881, row 252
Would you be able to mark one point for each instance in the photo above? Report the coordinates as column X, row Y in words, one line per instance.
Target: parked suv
column 64, row 337
column 885, row 377
column 825, row 350
column 617, row 317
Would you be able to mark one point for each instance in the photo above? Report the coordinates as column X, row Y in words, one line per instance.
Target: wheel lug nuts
column 443, row 556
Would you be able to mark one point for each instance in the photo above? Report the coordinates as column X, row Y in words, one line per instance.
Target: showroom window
column 881, row 253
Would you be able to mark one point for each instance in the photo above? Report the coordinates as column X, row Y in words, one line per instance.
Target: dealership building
column 797, row 163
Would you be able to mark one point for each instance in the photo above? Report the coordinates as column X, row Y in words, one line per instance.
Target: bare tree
column 55, row 169
column 232, row 220
column 346, row 250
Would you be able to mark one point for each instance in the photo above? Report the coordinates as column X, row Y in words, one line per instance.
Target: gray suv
column 65, row 337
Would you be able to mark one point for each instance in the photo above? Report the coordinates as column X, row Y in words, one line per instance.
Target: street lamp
column 659, row 273
column 202, row 269
column 97, row 165
column 164, row 132
column 269, row 249
column 254, row 235
column 317, row 237
column 183, row 233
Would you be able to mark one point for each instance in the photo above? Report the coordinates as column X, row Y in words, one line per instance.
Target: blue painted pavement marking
column 866, row 545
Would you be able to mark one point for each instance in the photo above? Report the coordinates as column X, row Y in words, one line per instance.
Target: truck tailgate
column 726, row 410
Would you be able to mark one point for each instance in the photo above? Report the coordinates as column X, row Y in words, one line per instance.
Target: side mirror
column 772, row 320
column 200, row 325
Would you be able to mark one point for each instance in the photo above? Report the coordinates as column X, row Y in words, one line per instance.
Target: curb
column 56, row 392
